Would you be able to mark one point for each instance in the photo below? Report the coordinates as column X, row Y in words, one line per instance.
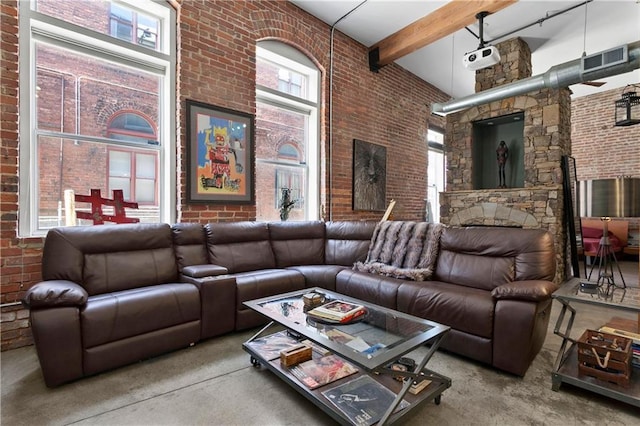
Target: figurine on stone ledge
column 502, row 153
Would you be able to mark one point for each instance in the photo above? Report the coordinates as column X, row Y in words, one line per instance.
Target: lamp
column 608, row 198
column 628, row 108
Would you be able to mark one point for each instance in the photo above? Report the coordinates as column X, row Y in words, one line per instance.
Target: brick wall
column 601, row 149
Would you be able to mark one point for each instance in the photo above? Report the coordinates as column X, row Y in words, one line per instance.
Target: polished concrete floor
column 213, row 383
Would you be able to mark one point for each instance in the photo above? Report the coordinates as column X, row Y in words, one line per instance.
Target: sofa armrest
column 55, row 293
column 530, row 290
column 202, row 271
column 218, row 303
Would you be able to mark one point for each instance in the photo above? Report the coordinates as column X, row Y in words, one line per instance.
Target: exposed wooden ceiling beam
column 446, row 20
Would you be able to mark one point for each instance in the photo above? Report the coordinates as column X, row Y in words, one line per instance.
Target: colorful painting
column 220, row 155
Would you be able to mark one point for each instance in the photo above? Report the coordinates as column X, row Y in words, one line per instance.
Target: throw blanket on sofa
column 403, row 249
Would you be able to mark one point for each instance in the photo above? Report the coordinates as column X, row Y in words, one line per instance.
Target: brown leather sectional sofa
column 113, row 295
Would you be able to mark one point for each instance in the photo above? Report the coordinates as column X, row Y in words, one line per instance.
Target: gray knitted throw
column 403, row 249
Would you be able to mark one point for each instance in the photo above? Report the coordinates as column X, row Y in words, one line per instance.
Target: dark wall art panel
column 369, row 176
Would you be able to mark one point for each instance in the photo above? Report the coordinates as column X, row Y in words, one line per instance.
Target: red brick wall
column 217, row 65
column 601, row 149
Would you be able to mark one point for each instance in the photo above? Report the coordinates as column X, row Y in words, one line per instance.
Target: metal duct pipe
column 558, row 76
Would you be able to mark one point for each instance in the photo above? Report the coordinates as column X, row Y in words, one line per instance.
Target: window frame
column 294, row 61
column 436, row 146
column 36, row 27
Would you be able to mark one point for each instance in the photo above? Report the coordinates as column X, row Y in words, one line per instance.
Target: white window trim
column 309, row 106
column 35, row 26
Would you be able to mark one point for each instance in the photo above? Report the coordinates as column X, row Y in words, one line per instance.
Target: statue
column 286, row 204
column 502, row 153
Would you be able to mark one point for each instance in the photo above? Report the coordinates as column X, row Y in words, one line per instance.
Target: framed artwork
column 219, row 155
column 369, row 176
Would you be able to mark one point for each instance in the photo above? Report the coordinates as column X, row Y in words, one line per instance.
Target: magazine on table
column 321, row 371
column 338, row 311
column 269, row 347
column 363, row 400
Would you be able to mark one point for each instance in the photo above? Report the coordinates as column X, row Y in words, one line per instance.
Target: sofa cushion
column 114, row 316
column 406, row 250
column 109, row 272
column 483, row 272
column 240, row 246
column 190, row 244
column 347, row 242
column 267, row 282
column 297, row 243
column 258, row 284
column 319, row 275
column 372, row 288
column 100, row 258
column 486, row 257
column 462, row 308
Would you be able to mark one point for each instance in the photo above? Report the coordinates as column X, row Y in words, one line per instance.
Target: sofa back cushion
column 110, row 258
column 240, row 246
column 347, row 242
column 486, row 257
column 297, row 243
column 190, row 243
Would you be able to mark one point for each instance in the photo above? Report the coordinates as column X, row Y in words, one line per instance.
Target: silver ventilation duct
column 556, row 77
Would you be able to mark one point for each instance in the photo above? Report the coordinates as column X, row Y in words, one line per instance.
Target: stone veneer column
column 547, row 137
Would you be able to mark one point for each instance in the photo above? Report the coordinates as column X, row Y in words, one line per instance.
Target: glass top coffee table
column 376, row 345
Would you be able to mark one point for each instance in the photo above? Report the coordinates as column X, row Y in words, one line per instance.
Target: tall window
column 435, row 174
column 287, row 146
column 98, row 113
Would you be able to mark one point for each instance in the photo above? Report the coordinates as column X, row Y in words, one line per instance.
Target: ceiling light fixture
column 628, row 107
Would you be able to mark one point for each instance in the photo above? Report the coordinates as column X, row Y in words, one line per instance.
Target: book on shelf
column 321, row 371
column 269, row 347
column 363, row 400
column 635, row 337
column 338, row 311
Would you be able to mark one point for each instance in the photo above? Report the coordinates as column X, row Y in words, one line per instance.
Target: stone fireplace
column 546, row 138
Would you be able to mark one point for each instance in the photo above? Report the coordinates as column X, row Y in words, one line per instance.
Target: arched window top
column 129, row 126
column 289, row 151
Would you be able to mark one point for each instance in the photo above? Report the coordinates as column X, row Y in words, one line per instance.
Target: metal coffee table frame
column 374, row 366
column 565, row 369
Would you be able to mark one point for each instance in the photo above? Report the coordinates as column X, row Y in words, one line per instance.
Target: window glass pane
column 270, row 179
column 282, row 79
column 119, row 163
column 80, row 165
column 145, row 191
column 121, row 183
column 276, row 127
column 99, row 88
column 105, row 17
column 146, row 166
column 147, row 31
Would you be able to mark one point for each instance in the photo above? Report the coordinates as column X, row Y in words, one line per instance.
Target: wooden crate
column 605, row 356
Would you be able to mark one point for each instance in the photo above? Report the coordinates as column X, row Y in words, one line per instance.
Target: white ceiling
column 609, row 23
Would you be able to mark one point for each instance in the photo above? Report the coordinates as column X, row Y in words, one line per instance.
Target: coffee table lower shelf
column 433, row 391
column 568, row 373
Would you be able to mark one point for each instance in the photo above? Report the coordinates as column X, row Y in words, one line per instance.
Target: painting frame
column 369, row 182
column 220, row 154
